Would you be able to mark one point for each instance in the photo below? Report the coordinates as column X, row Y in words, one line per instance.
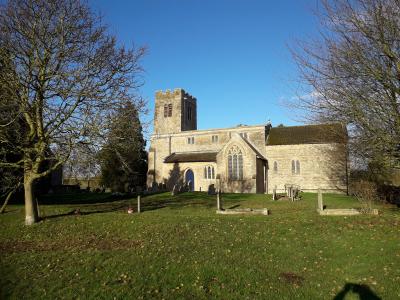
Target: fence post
column 219, row 202
column 138, row 203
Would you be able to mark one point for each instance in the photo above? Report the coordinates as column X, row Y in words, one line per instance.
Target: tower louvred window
column 169, row 110
column 165, row 110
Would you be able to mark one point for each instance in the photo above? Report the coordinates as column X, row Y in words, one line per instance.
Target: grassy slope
column 179, row 248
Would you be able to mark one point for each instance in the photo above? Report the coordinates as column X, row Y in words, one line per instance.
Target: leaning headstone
column 274, row 194
column 219, row 201
column 320, row 203
column 175, row 190
column 138, row 203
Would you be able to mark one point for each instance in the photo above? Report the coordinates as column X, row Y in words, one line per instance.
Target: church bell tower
column 175, row 111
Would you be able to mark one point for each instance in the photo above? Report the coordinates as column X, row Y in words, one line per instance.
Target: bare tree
column 66, row 74
column 10, row 178
column 353, row 70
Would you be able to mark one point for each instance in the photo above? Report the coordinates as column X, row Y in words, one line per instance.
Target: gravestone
column 182, row 188
column 154, row 187
column 289, row 192
column 274, row 197
column 138, row 203
column 175, row 190
column 295, row 193
column 211, row 189
column 320, row 203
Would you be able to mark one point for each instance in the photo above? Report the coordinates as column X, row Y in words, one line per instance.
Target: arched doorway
column 189, row 179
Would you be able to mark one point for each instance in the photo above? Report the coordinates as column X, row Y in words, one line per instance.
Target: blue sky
column 232, row 55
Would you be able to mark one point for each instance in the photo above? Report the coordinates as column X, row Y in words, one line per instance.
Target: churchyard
column 88, row 246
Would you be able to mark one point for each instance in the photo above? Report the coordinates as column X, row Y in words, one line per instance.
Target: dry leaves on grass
column 70, row 244
column 291, row 278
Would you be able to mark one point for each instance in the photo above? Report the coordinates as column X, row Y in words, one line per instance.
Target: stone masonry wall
column 165, row 144
column 179, row 120
column 321, row 166
column 174, row 173
column 188, row 120
column 167, row 124
column 248, row 184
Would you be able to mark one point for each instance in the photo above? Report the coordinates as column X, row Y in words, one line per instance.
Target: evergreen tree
column 11, row 125
column 123, row 158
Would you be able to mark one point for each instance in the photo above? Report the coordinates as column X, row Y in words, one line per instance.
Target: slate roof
column 307, row 134
column 259, row 155
column 191, row 157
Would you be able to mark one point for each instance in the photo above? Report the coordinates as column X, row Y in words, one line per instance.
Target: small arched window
column 275, row 167
column 209, row 172
column 235, row 164
column 297, row 167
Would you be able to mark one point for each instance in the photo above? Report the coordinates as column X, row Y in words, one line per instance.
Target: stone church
column 242, row 159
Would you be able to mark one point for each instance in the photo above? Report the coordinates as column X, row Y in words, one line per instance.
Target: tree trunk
column 31, row 212
column 3, row 208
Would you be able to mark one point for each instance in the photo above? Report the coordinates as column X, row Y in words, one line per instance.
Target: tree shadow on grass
column 78, row 212
column 234, row 206
column 188, row 199
column 80, row 198
column 363, row 291
column 92, row 205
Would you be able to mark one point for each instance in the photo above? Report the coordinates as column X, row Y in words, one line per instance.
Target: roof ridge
column 308, row 125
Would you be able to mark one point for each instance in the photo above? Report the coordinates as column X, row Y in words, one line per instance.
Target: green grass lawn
column 179, row 248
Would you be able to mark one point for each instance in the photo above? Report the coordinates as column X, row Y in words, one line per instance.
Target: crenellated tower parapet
column 175, row 111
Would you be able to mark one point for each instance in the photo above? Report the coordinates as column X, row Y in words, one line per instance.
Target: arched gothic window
column 235, row 164
column 209, row 172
